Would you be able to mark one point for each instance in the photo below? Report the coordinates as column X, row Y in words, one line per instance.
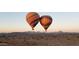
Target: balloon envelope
column 45, row 21
column 32, row 18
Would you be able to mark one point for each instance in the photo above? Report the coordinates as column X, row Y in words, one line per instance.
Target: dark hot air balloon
column 33, row 19
column 46, row 21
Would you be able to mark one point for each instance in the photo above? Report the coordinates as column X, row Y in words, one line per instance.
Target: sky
column 62, row 21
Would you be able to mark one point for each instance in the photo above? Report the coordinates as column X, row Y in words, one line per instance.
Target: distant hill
column 39, row 39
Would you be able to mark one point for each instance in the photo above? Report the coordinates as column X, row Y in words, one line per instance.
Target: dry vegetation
column 39, row 39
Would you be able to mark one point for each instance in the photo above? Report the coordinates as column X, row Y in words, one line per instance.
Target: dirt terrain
column 39, row 39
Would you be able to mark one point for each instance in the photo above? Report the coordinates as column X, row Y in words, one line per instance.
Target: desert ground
column 39, row 39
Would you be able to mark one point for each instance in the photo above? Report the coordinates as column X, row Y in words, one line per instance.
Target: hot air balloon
column 33, row 19
column 46, row 21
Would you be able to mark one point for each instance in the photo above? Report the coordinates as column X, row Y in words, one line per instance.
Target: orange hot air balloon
column 33, row 19
column 45, row 21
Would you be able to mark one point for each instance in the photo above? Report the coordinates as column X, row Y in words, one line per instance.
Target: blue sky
column 62, row 21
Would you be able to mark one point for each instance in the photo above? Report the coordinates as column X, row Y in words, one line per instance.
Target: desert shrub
column 77, row 36
column 2, row 35
column 68, row 39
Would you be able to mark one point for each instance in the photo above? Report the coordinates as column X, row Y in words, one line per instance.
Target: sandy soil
column 39, row 39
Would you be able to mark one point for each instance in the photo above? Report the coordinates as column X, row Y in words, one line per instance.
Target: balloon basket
column 32, row 28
